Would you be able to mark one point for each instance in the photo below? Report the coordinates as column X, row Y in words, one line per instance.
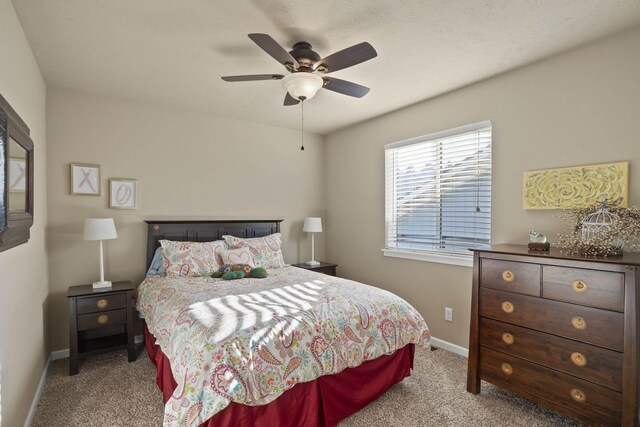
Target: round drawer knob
column 102, row 303
column 102, row 319
column 578, row 395
column 507, row 338
column 579, row 286
column 506, row 368
column 508, row 276
column 507, row 307
column 578, row 359
column 579, row 323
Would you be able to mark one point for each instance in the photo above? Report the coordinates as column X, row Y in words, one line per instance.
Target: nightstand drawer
column 602, row 289
column 331, row 271
column 511, row 276
column 101, row 319
column 100, row 303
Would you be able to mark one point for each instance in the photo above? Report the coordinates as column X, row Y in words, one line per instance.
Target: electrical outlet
column 448, row 314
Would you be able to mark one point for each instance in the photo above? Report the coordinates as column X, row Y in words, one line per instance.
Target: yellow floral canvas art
column 576, row 186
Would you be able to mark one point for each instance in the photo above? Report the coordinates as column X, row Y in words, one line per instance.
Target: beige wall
column 190, row 165
column 23, row 269
column 576, row 108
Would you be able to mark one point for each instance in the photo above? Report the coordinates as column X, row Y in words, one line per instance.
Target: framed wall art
column 123, row 193
column 17, row 174
column 86, row 179
column 576, row 186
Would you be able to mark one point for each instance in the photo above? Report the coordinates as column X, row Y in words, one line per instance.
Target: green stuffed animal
column 239, row 271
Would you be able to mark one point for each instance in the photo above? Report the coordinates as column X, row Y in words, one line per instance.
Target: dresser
column 100, row 319
column 559, row 330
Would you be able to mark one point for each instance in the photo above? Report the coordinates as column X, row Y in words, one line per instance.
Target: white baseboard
column 36, row 398
column 446, row 345
column 60, row 354
column 55, row 355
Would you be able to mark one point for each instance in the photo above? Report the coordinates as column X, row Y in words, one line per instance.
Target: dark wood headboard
column 205, row 231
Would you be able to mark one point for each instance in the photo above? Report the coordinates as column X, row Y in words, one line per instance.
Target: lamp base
column 101, row 285
column 312, row 263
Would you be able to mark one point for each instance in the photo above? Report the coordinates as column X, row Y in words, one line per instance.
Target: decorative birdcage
column 597, row 225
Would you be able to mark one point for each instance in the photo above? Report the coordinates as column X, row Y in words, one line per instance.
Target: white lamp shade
column 312, row 225
column 99, row 229
column 302, row 84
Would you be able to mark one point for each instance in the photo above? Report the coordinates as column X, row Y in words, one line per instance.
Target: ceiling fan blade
column 290, row 100
column 344, row 87
column 252, row 77
column 269, row 45
column 347, row 57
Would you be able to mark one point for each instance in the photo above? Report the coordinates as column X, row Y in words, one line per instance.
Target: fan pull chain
column 302, row 98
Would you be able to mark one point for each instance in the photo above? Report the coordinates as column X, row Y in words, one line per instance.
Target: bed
column 295, row 348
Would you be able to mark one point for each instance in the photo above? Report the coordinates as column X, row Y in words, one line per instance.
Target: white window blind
column 438, row 191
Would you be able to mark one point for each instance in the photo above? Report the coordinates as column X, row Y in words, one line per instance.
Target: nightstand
column 99, row 320
column 323, row 267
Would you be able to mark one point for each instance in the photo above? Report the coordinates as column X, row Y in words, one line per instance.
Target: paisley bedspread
column 249, row 340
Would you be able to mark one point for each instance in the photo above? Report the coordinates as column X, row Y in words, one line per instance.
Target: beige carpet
column 111, row 392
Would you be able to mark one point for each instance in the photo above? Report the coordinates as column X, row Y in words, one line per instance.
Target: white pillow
column 238, row 256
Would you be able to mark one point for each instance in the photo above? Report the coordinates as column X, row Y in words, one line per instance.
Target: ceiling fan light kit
column 302, row 85
column 306, row 66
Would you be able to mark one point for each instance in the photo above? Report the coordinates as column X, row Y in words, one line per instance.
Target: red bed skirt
column 321, row 402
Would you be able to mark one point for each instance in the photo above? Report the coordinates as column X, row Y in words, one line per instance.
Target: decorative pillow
column 266, row 251
column 156, row 268
column 237, row 256
column 191, row 259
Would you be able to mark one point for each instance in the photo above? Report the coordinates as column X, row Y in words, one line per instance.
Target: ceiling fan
column 307, row 69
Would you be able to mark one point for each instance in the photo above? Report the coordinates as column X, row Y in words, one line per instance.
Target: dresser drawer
column 511, row 276
column 602, row 289
column 100, row 319
column 100, row 303
column 585, row 361
column 569, row 392
column 586, row 324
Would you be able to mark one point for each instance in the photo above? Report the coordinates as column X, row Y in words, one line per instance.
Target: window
column 438, row 195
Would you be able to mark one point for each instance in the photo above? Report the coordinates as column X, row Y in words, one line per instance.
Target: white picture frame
column 86, row 179
column 17, row 175
column 123, row 193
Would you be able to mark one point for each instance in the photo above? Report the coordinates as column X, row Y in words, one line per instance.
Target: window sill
column 461, row 260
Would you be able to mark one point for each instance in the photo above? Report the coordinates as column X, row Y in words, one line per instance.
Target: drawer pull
column 102, row 303
column 506, row 368
column 578, row 359
column 102, row 319
column 579, row 323
column 507, row 307
column 579, row 286
column 578, row 395
column 508, row 276
column 507, row 338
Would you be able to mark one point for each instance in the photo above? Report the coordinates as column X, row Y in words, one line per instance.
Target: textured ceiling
column 174, row 51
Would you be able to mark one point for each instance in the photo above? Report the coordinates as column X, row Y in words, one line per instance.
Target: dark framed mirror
column 16, row 178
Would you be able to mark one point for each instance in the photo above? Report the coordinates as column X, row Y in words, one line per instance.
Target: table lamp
column 100, row 229
column 312, row 225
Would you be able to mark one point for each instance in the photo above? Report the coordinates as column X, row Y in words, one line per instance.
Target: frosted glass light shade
column 312, row 225
column 302, row 84
column 99, row 229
